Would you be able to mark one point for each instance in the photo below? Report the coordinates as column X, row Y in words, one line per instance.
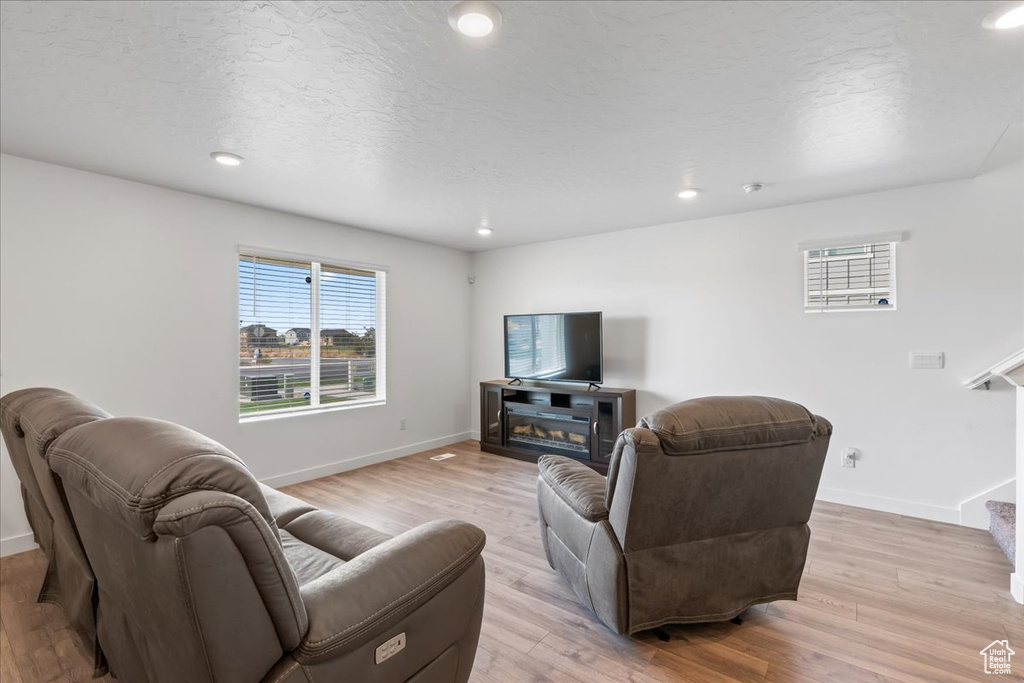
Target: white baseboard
column 1017, row 587
column 475, row 435
column 24, row 542
column 287, row 478
column 17, row 544
column 973, row 512
column 894, row 505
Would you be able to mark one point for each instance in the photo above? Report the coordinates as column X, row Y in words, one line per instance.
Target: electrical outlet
column 850, row 456
column 401, row 424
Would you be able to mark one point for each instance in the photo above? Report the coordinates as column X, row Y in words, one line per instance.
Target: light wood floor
column 883, row 598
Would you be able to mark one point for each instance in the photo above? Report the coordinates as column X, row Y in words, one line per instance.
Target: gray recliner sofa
column 703, row 513
column 197, row 572
column 30, row 420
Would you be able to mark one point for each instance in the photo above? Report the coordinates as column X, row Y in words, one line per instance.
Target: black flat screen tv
column 558, row 347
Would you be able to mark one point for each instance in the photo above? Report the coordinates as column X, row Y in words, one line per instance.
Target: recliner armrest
column 361, row 598
column 580, row 487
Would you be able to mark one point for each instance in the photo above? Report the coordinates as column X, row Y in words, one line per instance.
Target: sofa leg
column 737, row 620
column 662, row 635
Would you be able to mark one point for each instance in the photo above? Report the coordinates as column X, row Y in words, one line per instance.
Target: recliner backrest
column 184, row 548
column 32, row 420
column 714, row 467
column 11, row 408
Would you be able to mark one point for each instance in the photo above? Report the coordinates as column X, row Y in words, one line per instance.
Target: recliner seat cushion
column 308, row 562
column 335, row 535
column 284, row 508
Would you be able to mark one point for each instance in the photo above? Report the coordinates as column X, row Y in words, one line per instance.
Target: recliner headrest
column 44, row 420
column 728, row 423
column 13, row 404
column 133, row 466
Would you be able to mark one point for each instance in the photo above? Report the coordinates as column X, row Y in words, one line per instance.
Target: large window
column 311, row 335
column 850, row 277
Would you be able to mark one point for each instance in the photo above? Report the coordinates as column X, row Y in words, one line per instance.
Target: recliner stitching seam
column 280, row 677
column 479, row 598
column 175, row 462
column 88, row 468
column 190, row 605
column 586, row 576
column 729, row 428
column 131, row 500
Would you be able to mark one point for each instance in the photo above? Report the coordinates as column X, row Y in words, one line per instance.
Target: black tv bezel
column 600, row 323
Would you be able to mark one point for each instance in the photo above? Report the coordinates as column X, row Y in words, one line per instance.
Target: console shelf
column 525, row 421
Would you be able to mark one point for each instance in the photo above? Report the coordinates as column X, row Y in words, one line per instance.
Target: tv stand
column 525, row 420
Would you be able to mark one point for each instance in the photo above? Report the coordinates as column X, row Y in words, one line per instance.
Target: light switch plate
column 927, row 360
column 389, row 648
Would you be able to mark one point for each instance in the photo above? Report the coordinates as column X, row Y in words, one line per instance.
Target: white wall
column 126, row 295
column 108, row 288
column 715, row 307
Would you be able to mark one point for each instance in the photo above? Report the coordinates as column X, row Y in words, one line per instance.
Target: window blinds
column 850, row 278
column 309, row 335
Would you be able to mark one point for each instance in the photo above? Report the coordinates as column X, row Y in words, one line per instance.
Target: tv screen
column 561, row 347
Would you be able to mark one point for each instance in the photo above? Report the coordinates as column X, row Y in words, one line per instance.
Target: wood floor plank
column 8, row 670
column 883, row 598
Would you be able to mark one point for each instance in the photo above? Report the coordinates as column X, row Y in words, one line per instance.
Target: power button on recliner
column 389, row 648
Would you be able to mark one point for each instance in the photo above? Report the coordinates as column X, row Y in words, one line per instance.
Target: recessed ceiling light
column 475, row 18
column 484, row 231
column 1008, row 16
column 689, row 193
column 226, row 158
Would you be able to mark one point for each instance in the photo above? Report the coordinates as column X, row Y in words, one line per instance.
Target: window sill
column 850, row 309
column 264, row 417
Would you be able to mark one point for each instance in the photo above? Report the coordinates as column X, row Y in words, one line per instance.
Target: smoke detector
column 751, row 188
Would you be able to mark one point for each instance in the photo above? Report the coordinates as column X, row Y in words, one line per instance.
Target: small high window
column 850, row 277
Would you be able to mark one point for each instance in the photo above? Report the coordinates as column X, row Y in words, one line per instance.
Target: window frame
column 380, row 334
column 892, row 239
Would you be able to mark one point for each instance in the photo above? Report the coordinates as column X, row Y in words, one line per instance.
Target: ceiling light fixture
column 226, row 158
column 1006, row 17
column 484, row 231
column 751, row 188
column 689, row 193
column 475, row 18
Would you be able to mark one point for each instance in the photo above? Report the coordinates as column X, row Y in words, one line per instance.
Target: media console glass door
column 491, row 415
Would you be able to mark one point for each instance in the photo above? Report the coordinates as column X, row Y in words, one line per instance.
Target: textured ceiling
column 576, row 118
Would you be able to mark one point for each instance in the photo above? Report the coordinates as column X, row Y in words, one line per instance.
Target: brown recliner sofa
column 30, row 420
column 203, row 574
column 703, row 513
